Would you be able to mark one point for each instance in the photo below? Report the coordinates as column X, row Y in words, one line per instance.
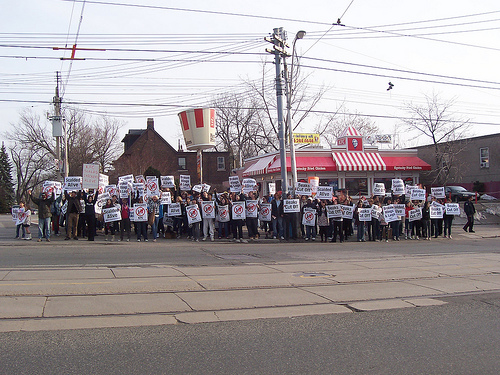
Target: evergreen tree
column 6, row 184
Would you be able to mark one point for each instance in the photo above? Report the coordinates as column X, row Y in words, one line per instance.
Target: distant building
column 144, row 148
column 351, row 166
column 477, row 162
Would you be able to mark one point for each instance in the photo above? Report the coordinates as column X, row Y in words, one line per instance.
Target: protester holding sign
column 19, row 223
column 360, row 225
column 154, row 214
column 323, row 222
column 426, row 222
column 252, row 220
column 237, row 217
column 277, row 216
column 208, row 216
column 90, row 219
column 336, row 223
column 27, row 222
column 309, row 211
column 448, row 220
column 72, row 213
column 125, row 226
column 223, row 214
column 44, row 214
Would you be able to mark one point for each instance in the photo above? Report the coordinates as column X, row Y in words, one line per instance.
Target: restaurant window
column 329, row 182
column 386, row 181
column 221, row 163
column 182, row 164
column 484, row 157
column 356, row 186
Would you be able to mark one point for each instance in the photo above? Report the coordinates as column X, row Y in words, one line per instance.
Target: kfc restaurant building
column 351, row 166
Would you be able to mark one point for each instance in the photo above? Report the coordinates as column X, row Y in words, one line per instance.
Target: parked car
column 458, row 193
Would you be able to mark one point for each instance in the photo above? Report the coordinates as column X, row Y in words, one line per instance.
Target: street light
column 300, row 34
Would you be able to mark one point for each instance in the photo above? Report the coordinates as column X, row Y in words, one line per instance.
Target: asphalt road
column 461, row 337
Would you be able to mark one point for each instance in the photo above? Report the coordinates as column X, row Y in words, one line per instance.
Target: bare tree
column 446, row 132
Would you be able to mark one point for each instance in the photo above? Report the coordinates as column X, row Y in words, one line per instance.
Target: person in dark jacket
column 470, row 210
column 44, row 214
column 90, row 201
column 277, row 216
column 73, row 213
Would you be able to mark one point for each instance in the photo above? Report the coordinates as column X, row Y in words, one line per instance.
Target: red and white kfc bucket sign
column 198, row 127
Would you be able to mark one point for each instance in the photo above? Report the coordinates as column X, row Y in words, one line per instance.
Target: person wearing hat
column 44, row 214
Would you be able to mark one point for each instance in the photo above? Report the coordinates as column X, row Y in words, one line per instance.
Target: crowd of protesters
column 73, row 214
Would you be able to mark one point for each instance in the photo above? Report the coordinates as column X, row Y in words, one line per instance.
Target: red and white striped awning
column 260, row 167
column 359, row 161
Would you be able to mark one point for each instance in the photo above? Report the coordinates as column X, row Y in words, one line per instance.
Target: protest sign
column 334, row 211
column 14, row 211
column 152, row 186
column 72, row 183
column 265, row 212
column 415, row 214
column 174, row 209
column 208, row 209
column 138, row 189
column 409, row 188
column 398, row 186
column 140, row 212
column 347, row 212
column 452, row 208
column 309, row 216
column 193, row 214
column 291, row 205
column 249, row 184
column 166, row 197
column 436, row 212
column 238, row 210
column 390, row 213
column 379, row 188
column 198, row 188
column 103, row 181
column 111, row 190
column 252, row 208
column 90, row 179
column 206, row 187
column 140, row 179
column 223, row 213
column 272, row 188
column 400, row 209
column 234, row 184
column 167, row 181
column 365, row 214
column 125, row 189
column 111, row 214
column 128, row 178
column 417, row 195
column 184, row 182
column 376, row 212
column 324, row 192
column 438, row 192
column 303, row 188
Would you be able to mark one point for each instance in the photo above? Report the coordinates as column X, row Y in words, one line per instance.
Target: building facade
column 473, row 163
column 146, row 148
column 351, row 166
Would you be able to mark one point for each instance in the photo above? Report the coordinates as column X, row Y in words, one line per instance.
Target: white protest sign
column 184, row 182
column 452, row 208
column 193, row 214
column 409, row 188
column 303, row 188
column 208, row 209
column 390, row 213
column 365, row 214
column 14, row 212
column 234, row 184
column 128, row 178
column 152, row 186
column 125, row 189
column 417, row 195
column 111, row 190
column 400, row 209
column 223, row 213
column 347, row 212
column 50, row 187
column 138, row 188
column 324, row 192
column 72, row 183
column 309, row 217
column 111, row 214
column 291, row 205
column 90, row 179
column 174, row 209
column 265, row 212
column 379, row 188
column 249, row 184
column 438, row 192
column 140, row 179
column 272, row 188
column 198, row 188
column 140, row 212
column 238, row 211
column 436, row 212
column 206, row 187
column 415, row 214
column 166, row 197
column 103, row 181
column 252, row 208
column 167, row 181
column 334, row 211
column 376, row 212
column 398, row 186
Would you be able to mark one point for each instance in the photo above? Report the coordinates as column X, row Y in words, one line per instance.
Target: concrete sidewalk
column 91, row 297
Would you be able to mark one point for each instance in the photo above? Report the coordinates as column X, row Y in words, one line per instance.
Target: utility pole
column 59, row 132
column 278, row 39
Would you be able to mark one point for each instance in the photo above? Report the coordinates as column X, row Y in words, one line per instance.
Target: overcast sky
column 145, row 58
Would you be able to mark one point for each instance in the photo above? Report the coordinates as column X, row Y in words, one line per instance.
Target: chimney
column 151, row 124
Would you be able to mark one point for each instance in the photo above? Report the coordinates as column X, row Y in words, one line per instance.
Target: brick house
column 144, row 148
